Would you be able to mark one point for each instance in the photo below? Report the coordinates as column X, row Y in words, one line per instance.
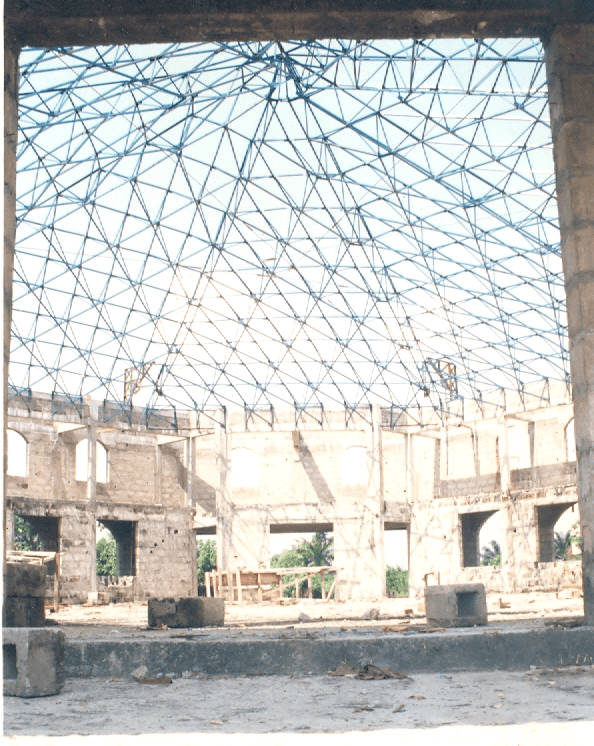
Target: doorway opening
column 206, row 554
column 122, row 556
column 396, row 547
column 303, row 545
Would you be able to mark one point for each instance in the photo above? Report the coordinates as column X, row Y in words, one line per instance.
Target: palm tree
column 563, row 544
column 491, row 554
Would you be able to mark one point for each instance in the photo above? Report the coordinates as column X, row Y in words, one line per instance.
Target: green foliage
column 107, row 557
column 397, row 580
column 206, row 557
column 25, row 538
column 491, row 554
column 564, row 544
column 318, row 552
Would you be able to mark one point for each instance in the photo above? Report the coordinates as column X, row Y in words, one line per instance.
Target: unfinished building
column 355, row 473
column 354, row 242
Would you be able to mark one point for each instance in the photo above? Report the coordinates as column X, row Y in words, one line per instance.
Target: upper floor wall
column 331, row 460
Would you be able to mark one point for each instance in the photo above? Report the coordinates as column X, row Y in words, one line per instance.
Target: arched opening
column 245, row 468
column 17, row 454
column 558, row 532
column 353, row 465
column 82, row 462
column 490, row 539
column 471, row 525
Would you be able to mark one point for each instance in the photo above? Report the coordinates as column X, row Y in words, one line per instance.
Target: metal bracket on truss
column 133, row 377
column 440, row 372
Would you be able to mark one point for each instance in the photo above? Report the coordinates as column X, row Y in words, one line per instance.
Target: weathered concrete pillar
column 11, row 115
column 503, row 454
column 223, row 503
column 92, row 499
column 570, row 72
column 358, row 530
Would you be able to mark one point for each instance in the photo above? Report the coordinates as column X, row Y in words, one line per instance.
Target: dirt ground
column 536, row 707
column 526, row 608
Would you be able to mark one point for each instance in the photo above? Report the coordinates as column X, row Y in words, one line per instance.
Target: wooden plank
column 266, row 577
column 323, row 574
column 259, row 588
column 332, row 587
column 309, row 586
column 239, row 589
column 230, row 585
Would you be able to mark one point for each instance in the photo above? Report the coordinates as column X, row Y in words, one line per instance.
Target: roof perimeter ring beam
column 54, row 23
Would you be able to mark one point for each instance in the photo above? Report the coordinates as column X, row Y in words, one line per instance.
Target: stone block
column 23, row 612
column 33, row 662
column 462, row 605
column 186, row 612
column 26, row 581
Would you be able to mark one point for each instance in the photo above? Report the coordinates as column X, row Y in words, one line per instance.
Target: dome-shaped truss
column 320, row 221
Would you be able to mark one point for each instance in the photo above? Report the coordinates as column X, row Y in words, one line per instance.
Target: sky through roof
column 304, row 222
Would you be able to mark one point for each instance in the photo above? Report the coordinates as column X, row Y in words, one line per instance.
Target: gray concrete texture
column 534, row 707
column 33, row 661
column 462, row 605
column 21, row 579
column 197, row 653
column 186, row 612
column 24, row 593
column 570, row 72
column 96, row 22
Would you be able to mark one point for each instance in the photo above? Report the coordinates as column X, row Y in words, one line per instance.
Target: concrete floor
column 537, row 706
column 540, row 706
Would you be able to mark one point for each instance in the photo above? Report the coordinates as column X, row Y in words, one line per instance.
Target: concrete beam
column 455, row 650
column 53, row 23
column 570, row 72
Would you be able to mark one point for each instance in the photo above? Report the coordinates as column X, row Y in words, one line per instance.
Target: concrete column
column 504, row 473
column 92, row 499
column 223, row 504
column 358, row 530
column 11, row 113
column 570, row 72
column 376, row 501
column 190, row 472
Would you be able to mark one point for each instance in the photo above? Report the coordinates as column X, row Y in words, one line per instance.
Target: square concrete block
column 33, row 662
column 186, row 612
column 26, row 581
column 463, row 605
column 23, row 612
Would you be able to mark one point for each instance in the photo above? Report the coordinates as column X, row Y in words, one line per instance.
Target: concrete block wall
column 420, row 478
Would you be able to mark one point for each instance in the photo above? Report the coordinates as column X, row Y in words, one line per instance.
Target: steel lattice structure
column 323, row 221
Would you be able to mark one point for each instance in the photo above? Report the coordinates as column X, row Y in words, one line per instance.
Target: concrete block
column 186, row 612
column 463, row 605
column 33, row 662
column 23, row 612
column 26, row 581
